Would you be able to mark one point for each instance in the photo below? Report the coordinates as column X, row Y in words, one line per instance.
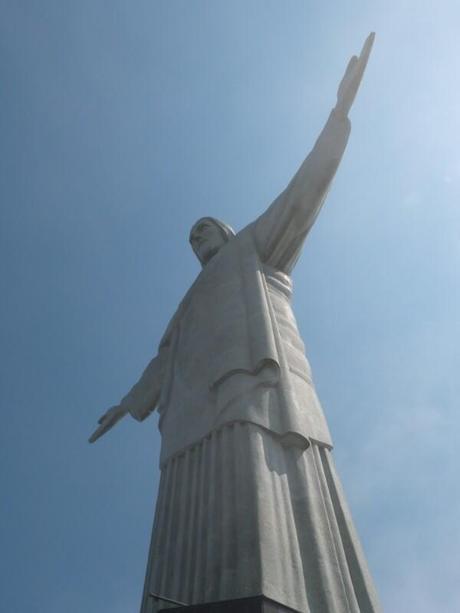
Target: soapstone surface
column 249, row 502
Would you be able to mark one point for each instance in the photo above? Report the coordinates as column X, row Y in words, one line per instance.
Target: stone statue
column 249, row 502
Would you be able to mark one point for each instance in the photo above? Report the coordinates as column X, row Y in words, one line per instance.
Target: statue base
column 255, row 604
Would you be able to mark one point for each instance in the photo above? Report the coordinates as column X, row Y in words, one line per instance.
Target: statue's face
column 206, row 240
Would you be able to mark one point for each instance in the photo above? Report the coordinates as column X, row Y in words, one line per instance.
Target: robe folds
column 249, row 502
column 238, row 514
column 235, row 354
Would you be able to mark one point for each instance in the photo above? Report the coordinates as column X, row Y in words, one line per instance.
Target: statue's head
column 207, row 236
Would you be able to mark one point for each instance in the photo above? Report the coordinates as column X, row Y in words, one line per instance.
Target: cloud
column 402, row 475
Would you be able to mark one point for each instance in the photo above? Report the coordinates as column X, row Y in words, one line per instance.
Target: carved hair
column 227, row 232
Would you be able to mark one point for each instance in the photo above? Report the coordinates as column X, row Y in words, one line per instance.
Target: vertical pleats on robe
column 239, row 515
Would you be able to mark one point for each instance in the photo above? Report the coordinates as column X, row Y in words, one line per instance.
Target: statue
column 249, row 502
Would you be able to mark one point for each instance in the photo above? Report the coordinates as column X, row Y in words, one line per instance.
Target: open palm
column 350, row 83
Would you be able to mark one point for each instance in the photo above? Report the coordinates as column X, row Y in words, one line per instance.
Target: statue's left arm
column 281, row 230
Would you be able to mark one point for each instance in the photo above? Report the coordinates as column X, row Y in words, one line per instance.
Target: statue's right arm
column 143, row 397
column 139, row 402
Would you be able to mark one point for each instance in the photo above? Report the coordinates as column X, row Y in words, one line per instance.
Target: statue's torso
column 237, row 355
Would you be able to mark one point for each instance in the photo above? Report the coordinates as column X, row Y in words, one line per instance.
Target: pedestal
column 256, row 604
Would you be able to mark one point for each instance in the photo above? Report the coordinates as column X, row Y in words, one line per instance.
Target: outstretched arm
column 140, row 401
column 281, row 230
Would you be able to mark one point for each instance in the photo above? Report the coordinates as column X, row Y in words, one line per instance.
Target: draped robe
column 249, row 501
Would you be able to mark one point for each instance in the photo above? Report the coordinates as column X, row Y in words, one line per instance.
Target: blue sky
column 121, row 124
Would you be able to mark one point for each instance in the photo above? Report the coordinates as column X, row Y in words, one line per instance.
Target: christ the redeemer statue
column 249, row 501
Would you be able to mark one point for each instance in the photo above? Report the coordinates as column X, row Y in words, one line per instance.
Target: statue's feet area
column 258, row 604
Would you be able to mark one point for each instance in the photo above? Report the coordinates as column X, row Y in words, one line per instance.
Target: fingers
column 350, row 70
column 347, row 77
column 351, row 64
column 104, row 417
column 358, row 69
column 367, row 47
column 365, row 52
column 108, row 414
column 107, row 421
column 99, row 432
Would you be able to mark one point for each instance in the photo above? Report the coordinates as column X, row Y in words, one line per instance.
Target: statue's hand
column 354, row 73
column 107, row 421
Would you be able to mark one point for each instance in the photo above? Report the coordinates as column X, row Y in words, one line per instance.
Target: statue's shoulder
column 244, row 240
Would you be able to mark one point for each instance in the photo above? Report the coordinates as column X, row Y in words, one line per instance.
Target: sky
column 122, row 122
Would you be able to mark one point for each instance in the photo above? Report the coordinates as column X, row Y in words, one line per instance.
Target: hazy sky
column 122, row 122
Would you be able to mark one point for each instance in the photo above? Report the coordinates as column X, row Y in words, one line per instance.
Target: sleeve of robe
column 143, row 397
column 282, row 229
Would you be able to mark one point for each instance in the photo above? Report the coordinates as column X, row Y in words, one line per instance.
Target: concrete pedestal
column 256, row 604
